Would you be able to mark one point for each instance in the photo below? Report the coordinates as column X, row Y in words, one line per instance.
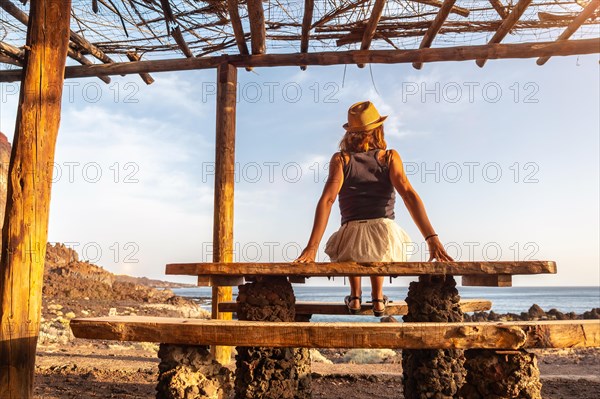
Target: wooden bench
column 504, row 336
column 488, row 335
column 495, row 274
column 395, row 308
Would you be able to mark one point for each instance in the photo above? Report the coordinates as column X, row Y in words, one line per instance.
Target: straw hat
column 363, row 116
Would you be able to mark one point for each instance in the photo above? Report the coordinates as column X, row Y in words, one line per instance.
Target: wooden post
column 25, row 230
column 224, row 182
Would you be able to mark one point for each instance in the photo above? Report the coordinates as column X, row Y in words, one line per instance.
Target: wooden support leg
column 438, row 373
column 224, row 184
column 270, row 373
column 25, row 229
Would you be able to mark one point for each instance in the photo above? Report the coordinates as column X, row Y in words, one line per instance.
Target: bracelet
column 429, row 236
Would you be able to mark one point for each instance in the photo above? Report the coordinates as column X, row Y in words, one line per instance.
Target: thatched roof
column 124, row 30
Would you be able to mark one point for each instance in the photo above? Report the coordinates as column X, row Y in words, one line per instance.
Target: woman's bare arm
column 415, row 207
column 330, row 192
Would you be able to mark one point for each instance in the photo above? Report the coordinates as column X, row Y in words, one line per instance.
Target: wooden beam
column 369, row 32
column 83, row 60
column 224, row 187
column 25, row 231
column 498, row 280
column 258, row 32
column 12, row 51
column 392, row 309
column 500, row 8
column 236, row 25
column 463, row 12
column 23, row 18
column 5, row 59
column 77, row 39
column 309, row 6
column 506, row 26
column 504, row 335
column 441, row 54
column 587, row 12
column 325, row 269
column 145, row 76
column 435, row 27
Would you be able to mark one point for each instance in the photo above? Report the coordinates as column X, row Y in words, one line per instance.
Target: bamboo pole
column 25, row 230
column 309, row 6
column 224, row 185
column 435, row 27
column 369, row 32
column 500, row 8
column 441, row 54
column 256, row 15
column 587, row 12
column 508, row 23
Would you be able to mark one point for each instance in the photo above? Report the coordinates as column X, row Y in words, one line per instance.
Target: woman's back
column 367, row 192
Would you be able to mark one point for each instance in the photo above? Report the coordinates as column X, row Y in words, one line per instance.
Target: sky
column 505, row 158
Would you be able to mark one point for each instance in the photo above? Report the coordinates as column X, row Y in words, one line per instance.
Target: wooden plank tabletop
column 334, row 269
column 491, row 335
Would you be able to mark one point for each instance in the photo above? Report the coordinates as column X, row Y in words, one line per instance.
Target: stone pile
column 270, row 373
column 438, row 373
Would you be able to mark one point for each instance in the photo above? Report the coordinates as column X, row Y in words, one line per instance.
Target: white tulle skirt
column 371, row 240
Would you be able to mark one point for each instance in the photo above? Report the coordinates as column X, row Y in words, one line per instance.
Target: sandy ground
column 111, row 370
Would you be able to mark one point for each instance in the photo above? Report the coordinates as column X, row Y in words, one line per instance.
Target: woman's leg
column 355, row 290
column 377, row 291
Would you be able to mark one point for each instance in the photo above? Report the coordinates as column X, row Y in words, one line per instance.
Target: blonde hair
column 363, row 141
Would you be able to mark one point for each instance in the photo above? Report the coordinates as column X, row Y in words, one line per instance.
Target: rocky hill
column 73, row 288
column 65, row 276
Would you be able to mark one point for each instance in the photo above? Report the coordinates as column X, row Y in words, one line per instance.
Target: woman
column 364, row 174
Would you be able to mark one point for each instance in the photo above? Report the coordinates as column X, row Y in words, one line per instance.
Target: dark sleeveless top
column 367, row 192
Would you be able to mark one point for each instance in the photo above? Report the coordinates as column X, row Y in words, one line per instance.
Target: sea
column 504, row 299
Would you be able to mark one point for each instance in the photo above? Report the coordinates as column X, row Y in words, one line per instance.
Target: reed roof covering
column 105, row 31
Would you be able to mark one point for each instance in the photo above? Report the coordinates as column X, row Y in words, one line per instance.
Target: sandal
column 384, row 301
column 348, row 300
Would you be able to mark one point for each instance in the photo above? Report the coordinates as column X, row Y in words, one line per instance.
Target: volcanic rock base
column 437, row 374
column 497, row 375
column 270, row 373
column 190, row 372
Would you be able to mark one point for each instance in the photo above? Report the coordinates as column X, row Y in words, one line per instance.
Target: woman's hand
column 307, row 256
column 437, row 251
